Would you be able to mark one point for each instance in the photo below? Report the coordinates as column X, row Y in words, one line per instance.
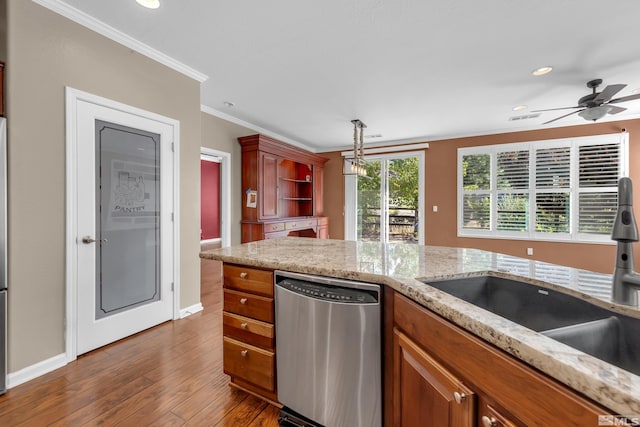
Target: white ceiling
column 414, row 70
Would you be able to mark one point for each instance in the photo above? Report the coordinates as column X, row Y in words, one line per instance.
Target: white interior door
column 124, row 227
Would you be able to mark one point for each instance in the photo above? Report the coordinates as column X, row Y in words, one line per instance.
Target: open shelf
column 299, row 181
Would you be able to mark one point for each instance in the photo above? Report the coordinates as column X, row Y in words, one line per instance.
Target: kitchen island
column 403, row 268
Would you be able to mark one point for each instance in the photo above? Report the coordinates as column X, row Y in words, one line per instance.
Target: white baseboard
column 188, row 311
column 36, row 370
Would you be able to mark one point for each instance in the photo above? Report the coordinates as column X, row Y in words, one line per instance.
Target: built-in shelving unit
column 286, row 185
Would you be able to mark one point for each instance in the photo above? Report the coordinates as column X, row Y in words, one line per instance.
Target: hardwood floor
column 170, row 375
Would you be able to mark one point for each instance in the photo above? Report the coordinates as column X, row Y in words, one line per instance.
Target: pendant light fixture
column 356, row 165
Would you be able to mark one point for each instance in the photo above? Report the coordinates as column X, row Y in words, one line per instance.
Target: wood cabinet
column 426, row 393
column 287, row 185
column 248, row 330
column 433, row 359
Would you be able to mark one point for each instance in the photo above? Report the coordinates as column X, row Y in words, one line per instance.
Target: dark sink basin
column 604, row 334
column 614, row 340
column 531, row 306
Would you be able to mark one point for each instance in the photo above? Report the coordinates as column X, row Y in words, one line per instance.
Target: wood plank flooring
column 170, row 375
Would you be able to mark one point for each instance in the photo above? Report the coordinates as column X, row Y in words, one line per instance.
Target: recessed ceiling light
column 542, row 71
column 229, row 104
column 151, row 4
column 519, row 108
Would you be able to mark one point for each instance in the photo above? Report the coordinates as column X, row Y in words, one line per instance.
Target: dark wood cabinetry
column 426, row 393
column 282, row 190
column 442, row 373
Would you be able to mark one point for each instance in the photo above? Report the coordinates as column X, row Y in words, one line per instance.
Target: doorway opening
column 387, row 204
column 215, row 198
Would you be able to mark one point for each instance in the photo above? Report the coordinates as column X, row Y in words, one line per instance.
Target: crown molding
column 224, row 116
column 108, row 31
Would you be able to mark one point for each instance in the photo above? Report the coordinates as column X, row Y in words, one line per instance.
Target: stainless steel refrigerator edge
column 3, row 255
column 329, row 350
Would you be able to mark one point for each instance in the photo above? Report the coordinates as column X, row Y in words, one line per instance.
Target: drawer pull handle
column 244, row 325
column 244, row 353
column 244, row 275
column 243, row 300
column 489, row 422
column 459, row 397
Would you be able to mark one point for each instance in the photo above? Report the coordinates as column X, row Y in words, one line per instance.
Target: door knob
column 243, row 300
column 88, row 239
column 459, row 397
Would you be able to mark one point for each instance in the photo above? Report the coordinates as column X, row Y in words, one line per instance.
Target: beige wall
column 47, row 52
column 441, row 190
column 222, row 135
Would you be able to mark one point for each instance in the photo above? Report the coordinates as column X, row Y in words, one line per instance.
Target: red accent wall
column 209, row 200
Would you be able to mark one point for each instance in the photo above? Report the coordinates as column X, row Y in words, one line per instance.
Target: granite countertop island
column 399, row 266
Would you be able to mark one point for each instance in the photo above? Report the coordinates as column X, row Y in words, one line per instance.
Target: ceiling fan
column 596, row 105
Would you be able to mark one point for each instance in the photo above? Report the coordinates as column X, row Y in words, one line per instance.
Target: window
column 564, row 189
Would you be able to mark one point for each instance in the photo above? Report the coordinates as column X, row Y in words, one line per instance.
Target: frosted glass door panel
column 128, row 218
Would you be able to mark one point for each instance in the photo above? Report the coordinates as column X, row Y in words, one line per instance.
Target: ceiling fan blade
column 608, row 93
column 625, row 98
column 615, row 109
column 562, row 117
column 554, row 109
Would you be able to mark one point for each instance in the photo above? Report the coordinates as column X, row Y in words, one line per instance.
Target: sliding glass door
column 386, row 205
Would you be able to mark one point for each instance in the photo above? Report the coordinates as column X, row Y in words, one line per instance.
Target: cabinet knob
column 459, row 397
column 244, row 353
column 243, row 300
column 244, row 275
column 489, row 421
column 244, row 325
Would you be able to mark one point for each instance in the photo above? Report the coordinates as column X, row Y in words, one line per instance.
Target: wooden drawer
column 300, row 225
column 490, row 416
column 248, row 279
column 252, row 364
column 248, row 330
column 249, row 305
column 275, row 226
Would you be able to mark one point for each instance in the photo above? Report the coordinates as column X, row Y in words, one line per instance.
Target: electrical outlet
column 529, row 251
column 435, row 208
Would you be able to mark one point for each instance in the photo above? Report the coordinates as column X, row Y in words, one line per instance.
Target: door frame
column 225, row 192
column 351, row 194
column 72, row 98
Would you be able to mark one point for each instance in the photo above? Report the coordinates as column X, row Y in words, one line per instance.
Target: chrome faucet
column 626, row 282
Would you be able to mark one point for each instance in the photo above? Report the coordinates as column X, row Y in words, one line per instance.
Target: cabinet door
column 425, row 393
column 268, row 194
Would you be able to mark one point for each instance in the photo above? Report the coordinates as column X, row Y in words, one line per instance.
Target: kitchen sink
column 531, row 306
column 615, row 340
column 594, row 330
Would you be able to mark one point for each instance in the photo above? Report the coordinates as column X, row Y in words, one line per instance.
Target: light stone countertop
column 400, row 265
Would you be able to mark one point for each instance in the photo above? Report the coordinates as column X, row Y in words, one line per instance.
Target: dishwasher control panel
column 329, row 292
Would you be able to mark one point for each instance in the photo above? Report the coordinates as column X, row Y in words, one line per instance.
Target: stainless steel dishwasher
column 328, row 351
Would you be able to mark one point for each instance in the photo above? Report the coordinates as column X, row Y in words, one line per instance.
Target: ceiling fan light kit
column 595, row 113
column 596, row 105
